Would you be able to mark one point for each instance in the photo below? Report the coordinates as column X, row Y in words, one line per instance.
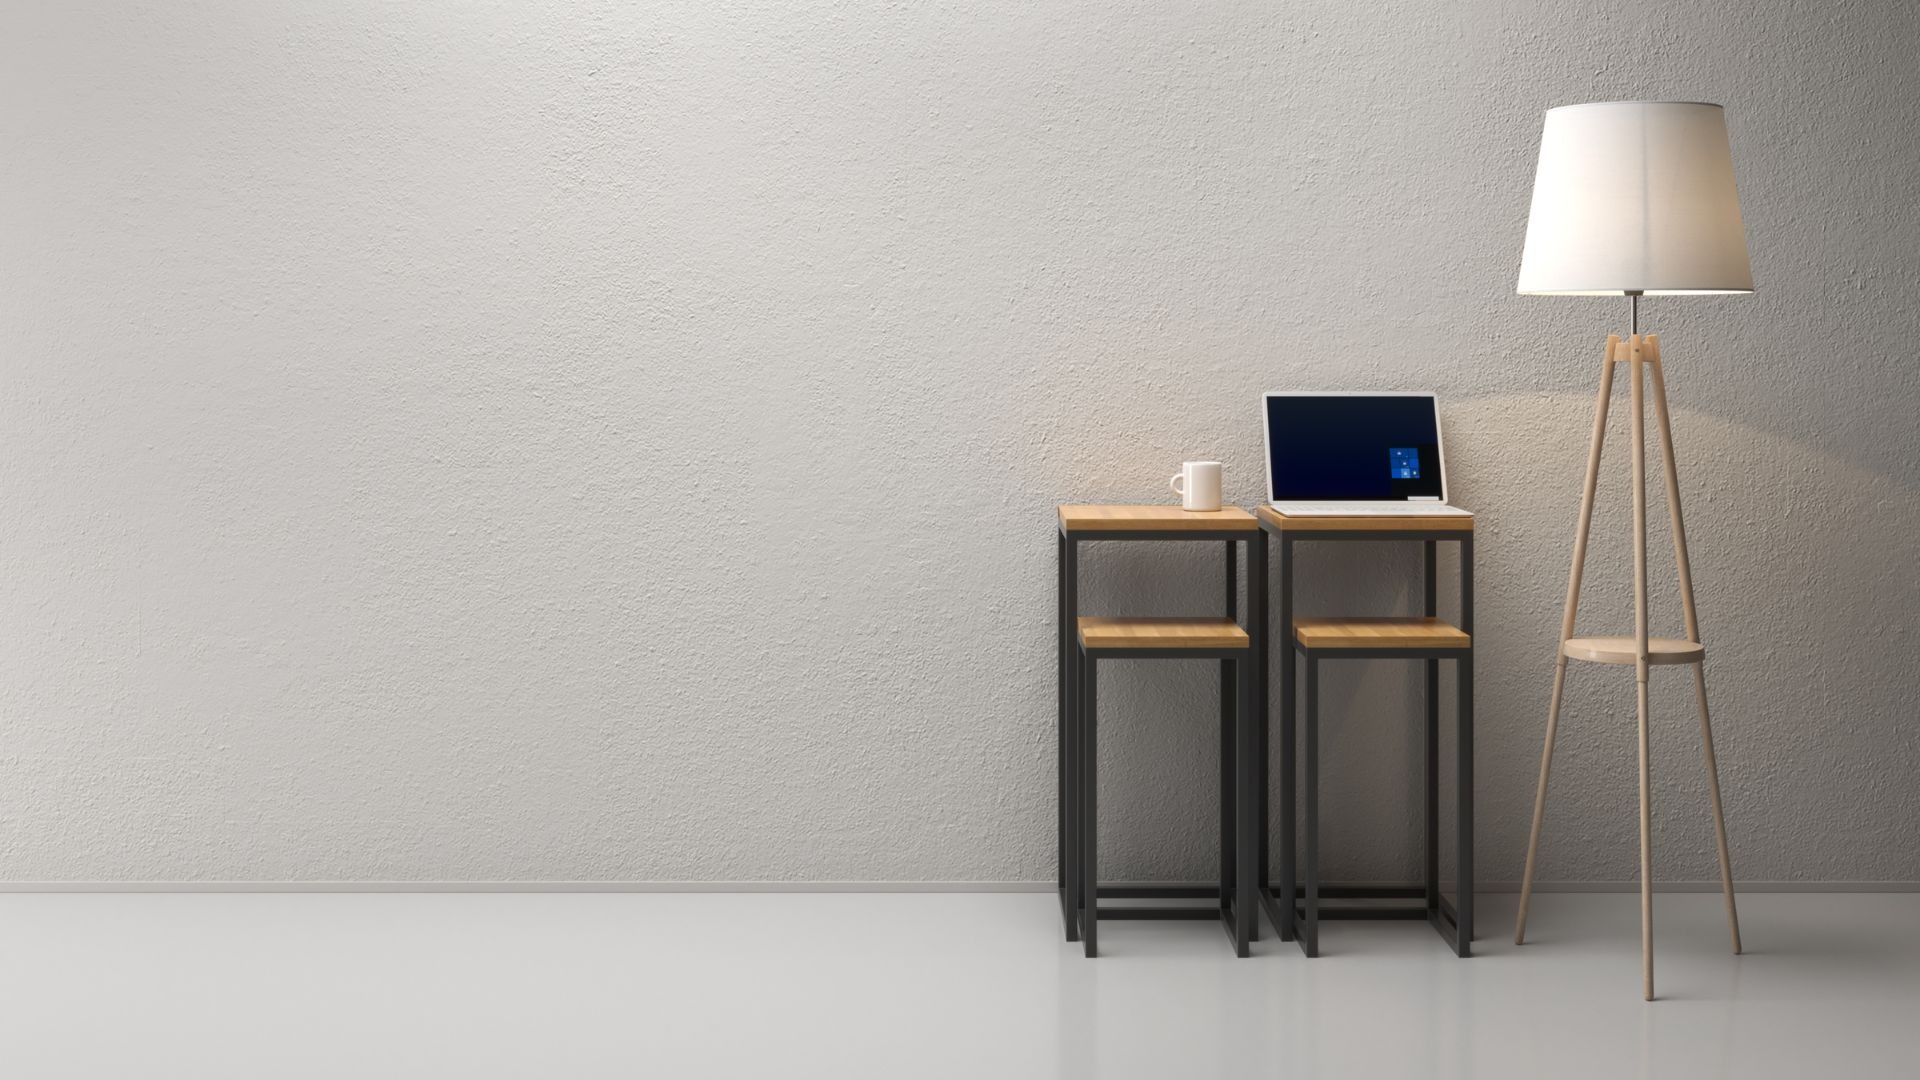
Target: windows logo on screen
column 1404, row 463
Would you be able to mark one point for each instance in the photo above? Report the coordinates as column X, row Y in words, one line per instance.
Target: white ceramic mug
column 1198, row 485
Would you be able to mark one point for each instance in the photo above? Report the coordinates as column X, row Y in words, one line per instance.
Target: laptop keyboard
column 1368, row 509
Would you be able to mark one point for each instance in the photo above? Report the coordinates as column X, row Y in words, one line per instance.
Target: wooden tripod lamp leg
column 1719, row 817
column 1693, row 631
column 1640, row 659
column 1566, row 627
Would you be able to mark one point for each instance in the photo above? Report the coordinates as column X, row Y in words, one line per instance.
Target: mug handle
column 1179, row 484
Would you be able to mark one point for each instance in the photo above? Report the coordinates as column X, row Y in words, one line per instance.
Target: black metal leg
column 1310, row 848
column 1089, row 805
column 1466, row 585
column 1464, row 906
column 1254, row 712
column 1432, row 757
column 1465, row 750
column 1063, row 852
column 1289, row 770
column 1227, row 720
column 1228, row 788
column 1431, row 786
column 1246, row 909
column 1070, row 650
column 1233, row 580
column 1076, row 896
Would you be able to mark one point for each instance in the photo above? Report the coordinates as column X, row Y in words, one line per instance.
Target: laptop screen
column 1353, row 446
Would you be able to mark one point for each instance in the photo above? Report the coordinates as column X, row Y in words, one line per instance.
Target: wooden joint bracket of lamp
column 1634, row 198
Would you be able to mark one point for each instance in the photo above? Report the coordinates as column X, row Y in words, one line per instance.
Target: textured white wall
column 562, row 441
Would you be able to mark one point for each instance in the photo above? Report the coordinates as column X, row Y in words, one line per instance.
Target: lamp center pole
column 1633, row 312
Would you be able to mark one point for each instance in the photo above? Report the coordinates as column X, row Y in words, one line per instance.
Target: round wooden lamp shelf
column 1621, row 650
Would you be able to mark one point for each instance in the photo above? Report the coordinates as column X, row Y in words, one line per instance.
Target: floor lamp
column 1634, row 198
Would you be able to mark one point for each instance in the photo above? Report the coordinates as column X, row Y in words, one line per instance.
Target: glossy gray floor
column 975, row 985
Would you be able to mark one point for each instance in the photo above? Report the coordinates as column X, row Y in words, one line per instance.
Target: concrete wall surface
column 582, row 440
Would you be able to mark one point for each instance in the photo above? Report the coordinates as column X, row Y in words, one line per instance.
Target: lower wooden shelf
column 1622, row 650
column 1390, row 632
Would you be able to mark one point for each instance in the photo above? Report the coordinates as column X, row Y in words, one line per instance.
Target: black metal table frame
column 1237, row 893
column 1301, row 922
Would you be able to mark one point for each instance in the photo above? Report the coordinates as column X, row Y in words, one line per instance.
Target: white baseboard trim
column 854, row 886
column 524, row 886
column 1707, row 886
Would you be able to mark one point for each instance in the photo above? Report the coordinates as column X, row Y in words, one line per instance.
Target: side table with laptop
column 1367, row 467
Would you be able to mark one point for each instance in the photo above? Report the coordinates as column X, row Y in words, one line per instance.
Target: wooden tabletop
column 1155, row 519
column 1160, row 633
column 1369, row 523
column 1412, row 632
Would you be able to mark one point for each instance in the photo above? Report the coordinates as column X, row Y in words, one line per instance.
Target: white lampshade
column 1635, row 196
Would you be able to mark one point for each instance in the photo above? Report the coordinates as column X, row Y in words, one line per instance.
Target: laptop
column 1359, row 454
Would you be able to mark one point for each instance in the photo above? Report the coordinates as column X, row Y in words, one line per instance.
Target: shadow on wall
column 1806, row 602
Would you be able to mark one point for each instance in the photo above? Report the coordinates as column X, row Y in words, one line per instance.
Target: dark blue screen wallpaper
column 1338, row 447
